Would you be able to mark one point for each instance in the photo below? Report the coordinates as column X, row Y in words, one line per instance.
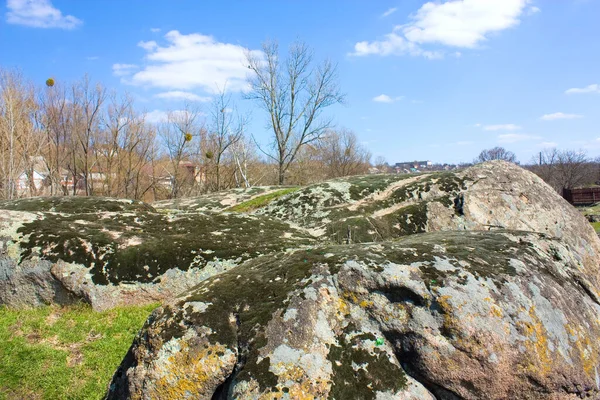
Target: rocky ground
column 109, row 252
column 476, row 284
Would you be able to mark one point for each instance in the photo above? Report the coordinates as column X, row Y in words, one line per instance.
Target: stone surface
column 131, row 256
column 493, row 195
column 476, row 284
column 444, row 315
column 219, row 201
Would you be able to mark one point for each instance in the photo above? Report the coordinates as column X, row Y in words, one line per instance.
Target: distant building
column 31, row 181
column 412, row 166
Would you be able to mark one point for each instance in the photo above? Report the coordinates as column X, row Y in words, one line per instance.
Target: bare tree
column 564, row 169
column 497, row 153
column 19, row 140
column 342, row 154
column 87, row 103
column 125, row 148
column 246, row 160
column 181, row 135
column 294, row 93
column 308, row 167
column 56, row 120
column 225, row 129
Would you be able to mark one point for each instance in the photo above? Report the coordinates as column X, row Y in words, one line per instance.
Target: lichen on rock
column 452, row 322
column 481, row 283
column 108, row 258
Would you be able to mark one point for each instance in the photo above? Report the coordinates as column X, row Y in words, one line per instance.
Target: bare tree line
column 81, row 138
column 560, row 168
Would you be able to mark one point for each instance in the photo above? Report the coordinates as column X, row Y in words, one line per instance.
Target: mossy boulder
column 488, row 196
column 446, row 315
column 108, row 258
column 218, row 201
column 75, row 205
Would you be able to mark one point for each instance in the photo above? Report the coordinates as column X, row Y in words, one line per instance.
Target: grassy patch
column 64, row 352
column 261, row 201
column 596, row 226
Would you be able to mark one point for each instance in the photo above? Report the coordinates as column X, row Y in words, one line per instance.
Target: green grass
column 261, row 201
column 64, row 352
column 596, row 226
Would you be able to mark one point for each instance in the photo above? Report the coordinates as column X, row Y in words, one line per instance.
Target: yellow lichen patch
column 450, row 322
column 193, row 372
column 303, row 388
column 343, row 306
column 351, row 296
column 365, row 303
column 588, row 350
column 539, row 358
column 497, row 311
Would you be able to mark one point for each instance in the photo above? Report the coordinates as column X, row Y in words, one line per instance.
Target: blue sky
column 424, row 80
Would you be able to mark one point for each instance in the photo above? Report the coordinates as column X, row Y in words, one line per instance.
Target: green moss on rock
column 139, row 247
column 360, row 374
column 75, row 205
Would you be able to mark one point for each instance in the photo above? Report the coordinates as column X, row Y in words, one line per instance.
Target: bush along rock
column 443, row 315
column 106, row 256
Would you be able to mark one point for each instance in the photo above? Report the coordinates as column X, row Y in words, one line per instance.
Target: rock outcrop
column 219, row 201
column 108, row 252
column 489, row 196
column 447, row 315
column 469, row 285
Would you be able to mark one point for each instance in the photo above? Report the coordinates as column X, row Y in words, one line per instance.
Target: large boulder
column 488, row 196
column 109, row 252
column 475, row 284
column 446, row 315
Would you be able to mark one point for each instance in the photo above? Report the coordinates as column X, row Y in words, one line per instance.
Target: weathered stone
column 468, row 315
column 492, row 195
column 482, row 283
column 218, row 201
column 108, row 258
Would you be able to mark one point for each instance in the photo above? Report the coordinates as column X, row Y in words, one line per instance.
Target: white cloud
column 594, row 88
column 154, row 30
column 533, row 10
column 384, row 98
column 393, row 44
column 124, row 69
column 389, row 12
column 548, row 144
column 455, row 23
column 501, row 127
column 193, row 61
column 180, row 95
column 148, row 46
column 559, row 115
column 39, row 14
column 515, row 137
column 159, row 116
column 156, row 116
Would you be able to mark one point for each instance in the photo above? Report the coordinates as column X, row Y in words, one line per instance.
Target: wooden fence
column 584, row 196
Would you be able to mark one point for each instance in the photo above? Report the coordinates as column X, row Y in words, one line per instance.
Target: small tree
column 497, row 153
column 564, row 169
column 294, row 94
column 225, row 129
column 342, row 154
column 178, row 134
